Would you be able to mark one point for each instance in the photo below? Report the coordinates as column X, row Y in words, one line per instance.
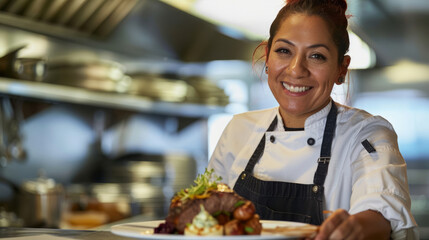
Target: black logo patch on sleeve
column 368, row 146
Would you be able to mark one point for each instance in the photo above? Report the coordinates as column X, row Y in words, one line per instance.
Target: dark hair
column 332, row 11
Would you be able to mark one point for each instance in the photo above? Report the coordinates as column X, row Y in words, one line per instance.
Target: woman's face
column 303, row 66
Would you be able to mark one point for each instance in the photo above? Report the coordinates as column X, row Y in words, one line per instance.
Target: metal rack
column 53, row 92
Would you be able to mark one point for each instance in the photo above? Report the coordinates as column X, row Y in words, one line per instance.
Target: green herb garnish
column 248, row 229
column 203, row 184
column 217, row 213
column 239, row 203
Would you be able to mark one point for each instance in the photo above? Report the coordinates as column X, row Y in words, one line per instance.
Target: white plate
column 144, row 230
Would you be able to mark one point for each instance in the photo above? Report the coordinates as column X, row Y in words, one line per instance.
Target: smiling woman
column 302, row 67
column 310, row 153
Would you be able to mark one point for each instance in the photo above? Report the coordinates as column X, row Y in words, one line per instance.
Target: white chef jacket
column 356, row 181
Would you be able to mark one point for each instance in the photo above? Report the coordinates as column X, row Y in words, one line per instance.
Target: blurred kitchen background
column 107, row 107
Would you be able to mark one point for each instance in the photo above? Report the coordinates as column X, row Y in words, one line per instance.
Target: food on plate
column 204, row 224
column 233, row 212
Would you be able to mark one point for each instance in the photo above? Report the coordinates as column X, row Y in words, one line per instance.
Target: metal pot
column 101, row 76
column 40, row 202
column 12, row 66
column 136, row 168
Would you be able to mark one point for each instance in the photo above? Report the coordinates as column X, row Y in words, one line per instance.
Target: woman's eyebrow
column 311, row 46
column 319, row 45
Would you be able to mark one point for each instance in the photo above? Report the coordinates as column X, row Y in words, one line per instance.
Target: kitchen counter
column 32, row 233
column 99, row 233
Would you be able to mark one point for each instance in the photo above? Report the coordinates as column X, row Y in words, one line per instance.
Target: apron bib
column 275, row 200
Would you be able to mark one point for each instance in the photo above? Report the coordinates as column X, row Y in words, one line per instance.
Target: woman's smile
column 295, row 89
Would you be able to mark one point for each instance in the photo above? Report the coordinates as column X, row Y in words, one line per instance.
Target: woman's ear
column 345, row 65
column 343, row 70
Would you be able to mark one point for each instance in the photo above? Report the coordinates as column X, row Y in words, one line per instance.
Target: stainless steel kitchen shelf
column 53, row 92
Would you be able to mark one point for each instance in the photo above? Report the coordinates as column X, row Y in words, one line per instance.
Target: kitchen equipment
column 91, row 205
column 37, row 202
column 9, row 219
column 40, row 202
column 12, row 66
column 206, row 92
column 136, row 168
column 181, row 171
column 172, row 88
column 159, row 88
column 173, row 171
column 96, row 75
column 32, row 69
column 7, row 63
column 11, row 118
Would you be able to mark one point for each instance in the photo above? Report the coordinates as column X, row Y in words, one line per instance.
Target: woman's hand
column 364, row 225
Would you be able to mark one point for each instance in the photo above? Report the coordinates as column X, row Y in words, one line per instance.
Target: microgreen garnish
column 203, row 184
column 239, row 203
column 248, row 229
column 217, row 213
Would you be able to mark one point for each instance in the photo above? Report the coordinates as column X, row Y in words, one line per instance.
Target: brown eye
column 318, row 56
column 283, row 51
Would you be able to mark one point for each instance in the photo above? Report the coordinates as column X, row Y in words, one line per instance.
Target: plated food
column 209, row 208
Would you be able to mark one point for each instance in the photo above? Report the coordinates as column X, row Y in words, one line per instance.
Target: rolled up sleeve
column 380, row 178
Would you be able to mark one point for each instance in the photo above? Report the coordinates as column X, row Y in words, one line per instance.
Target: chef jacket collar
column 315, row 122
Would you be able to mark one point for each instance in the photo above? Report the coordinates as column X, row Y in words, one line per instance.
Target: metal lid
column 42, row 185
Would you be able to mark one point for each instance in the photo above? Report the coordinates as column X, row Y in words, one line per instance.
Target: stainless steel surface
column 84, row 16
column 37, row 203
column 207, row 92
column 175, row 171
column 11, row 144
column 7, row 62
column 99, row 76
column 181, row 171
column 30, row 68
column 160, row 89
column 68, row 94
column 64, row 233
column 40, row 202
column 395, row 29
column 134, row 28
column 137, row 168
column 21, row 68
column 198, row 90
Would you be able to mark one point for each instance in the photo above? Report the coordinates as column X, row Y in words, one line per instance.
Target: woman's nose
column 297, row 67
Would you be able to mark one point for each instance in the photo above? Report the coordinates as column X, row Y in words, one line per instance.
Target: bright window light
column 362, row 56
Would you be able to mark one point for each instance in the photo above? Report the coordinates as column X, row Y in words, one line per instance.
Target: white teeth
column 295, row 89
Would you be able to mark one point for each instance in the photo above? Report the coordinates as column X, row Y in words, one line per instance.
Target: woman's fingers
column 364, row 225
column 331, row 225
column 346, row 230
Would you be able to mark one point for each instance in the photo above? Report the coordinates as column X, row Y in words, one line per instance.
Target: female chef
column 310, row 153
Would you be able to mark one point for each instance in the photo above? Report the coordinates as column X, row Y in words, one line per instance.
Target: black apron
column 287, row 201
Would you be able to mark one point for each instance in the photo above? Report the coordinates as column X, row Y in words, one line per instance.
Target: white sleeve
column 222, row 155
column 380, row 178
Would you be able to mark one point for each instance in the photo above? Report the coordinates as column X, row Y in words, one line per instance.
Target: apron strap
column 325, row 152
column 259, row 149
